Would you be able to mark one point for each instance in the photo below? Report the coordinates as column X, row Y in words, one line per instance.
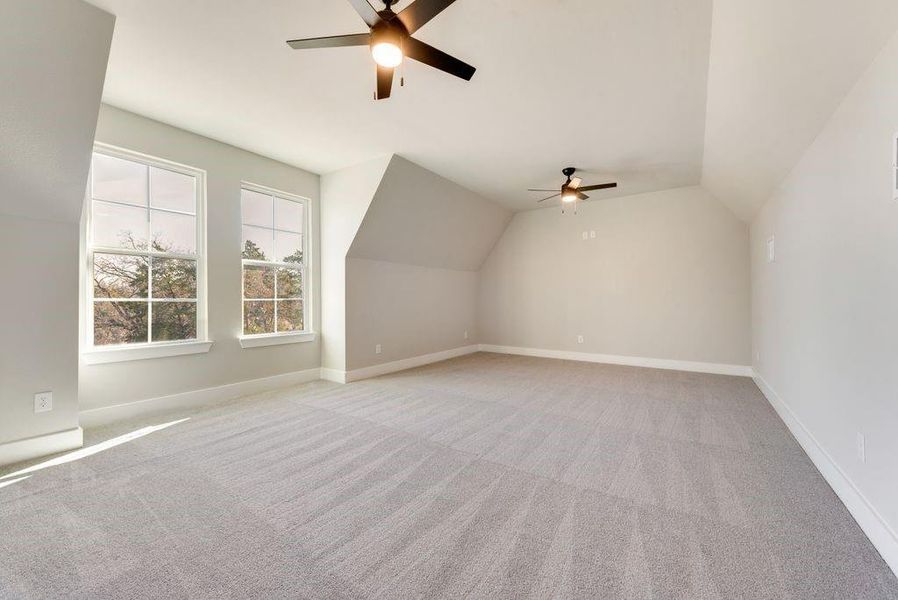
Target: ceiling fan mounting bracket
column 389, row 31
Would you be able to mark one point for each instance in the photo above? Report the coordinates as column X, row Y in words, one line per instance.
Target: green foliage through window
column 142, row 291
column 272, row 292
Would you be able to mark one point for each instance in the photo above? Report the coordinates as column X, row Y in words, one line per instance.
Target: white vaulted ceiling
column 615, row 86
column 621, row 88
column 779, row 68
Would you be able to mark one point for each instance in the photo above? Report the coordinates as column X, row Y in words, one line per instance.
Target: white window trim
column 285, row 337
column 112, row 354
column 277, row 339
column 92, row 354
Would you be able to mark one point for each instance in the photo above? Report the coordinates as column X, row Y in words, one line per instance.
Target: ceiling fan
column 390, row 40
column 572, row 190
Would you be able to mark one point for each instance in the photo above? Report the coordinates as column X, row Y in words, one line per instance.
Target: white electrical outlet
column 466, row 334
column 43, row 402
column 585, row 235
column 579, row 339
column 592, row 234
column 757, row 357
column 377, row 349
column 771, row 249
column 861, row 447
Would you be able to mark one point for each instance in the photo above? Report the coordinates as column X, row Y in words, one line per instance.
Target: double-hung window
column 145, row 242
column 274, row 262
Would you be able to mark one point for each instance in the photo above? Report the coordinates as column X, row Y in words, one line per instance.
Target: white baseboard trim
column 405, row 363
column 881, row 535
column 41, row 445
column 195, row 398
column 334, row 375
column 631, row 361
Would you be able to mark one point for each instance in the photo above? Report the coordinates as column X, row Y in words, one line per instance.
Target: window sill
column 124, row 353
column 276, row 339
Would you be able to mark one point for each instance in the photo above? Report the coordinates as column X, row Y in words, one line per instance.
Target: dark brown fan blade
column 420, row 12
column 366, row 11
column 582, row 196
column 384, row 82
column 549, row 198
column 601, row 186
column 333, row 41
column 437, row 58
column 539, row 190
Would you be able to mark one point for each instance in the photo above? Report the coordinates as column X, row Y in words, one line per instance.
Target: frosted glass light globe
column 386, row 54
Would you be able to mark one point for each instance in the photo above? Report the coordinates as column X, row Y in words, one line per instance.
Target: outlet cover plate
column 43, row 402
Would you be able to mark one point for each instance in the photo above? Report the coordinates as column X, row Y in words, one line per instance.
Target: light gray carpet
column 486, row 476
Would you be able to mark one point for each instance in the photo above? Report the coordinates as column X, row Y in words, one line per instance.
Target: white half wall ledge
column 195, row 399
column 880, row 534
column 630, row 361
column 41, row 445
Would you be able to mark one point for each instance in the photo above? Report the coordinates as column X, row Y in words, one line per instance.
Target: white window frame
column 92, row 354
column 282, row 337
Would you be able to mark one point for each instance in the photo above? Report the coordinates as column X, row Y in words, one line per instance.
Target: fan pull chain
column 402, row 64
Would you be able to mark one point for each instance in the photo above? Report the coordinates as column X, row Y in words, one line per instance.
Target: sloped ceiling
column 614, row 86
column 653, row 93
column 417, row 217
column 53, row 65
column 778, row 71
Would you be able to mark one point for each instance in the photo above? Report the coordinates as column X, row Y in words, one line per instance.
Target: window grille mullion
column 149, row 254
column 276, row 265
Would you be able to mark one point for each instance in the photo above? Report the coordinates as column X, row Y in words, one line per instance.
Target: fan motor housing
column 388, row 32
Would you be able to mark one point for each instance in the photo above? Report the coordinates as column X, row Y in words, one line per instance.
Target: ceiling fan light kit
column 390, row 40
column 572, row 190
column 386, row 47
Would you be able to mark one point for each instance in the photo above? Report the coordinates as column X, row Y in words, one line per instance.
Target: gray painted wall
column 824, row 311
column 226, row 166
column 411, row 271
column 52, row 64
column 667, row 276
column 419, row 218
column 39, row 330
column 408, row 309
